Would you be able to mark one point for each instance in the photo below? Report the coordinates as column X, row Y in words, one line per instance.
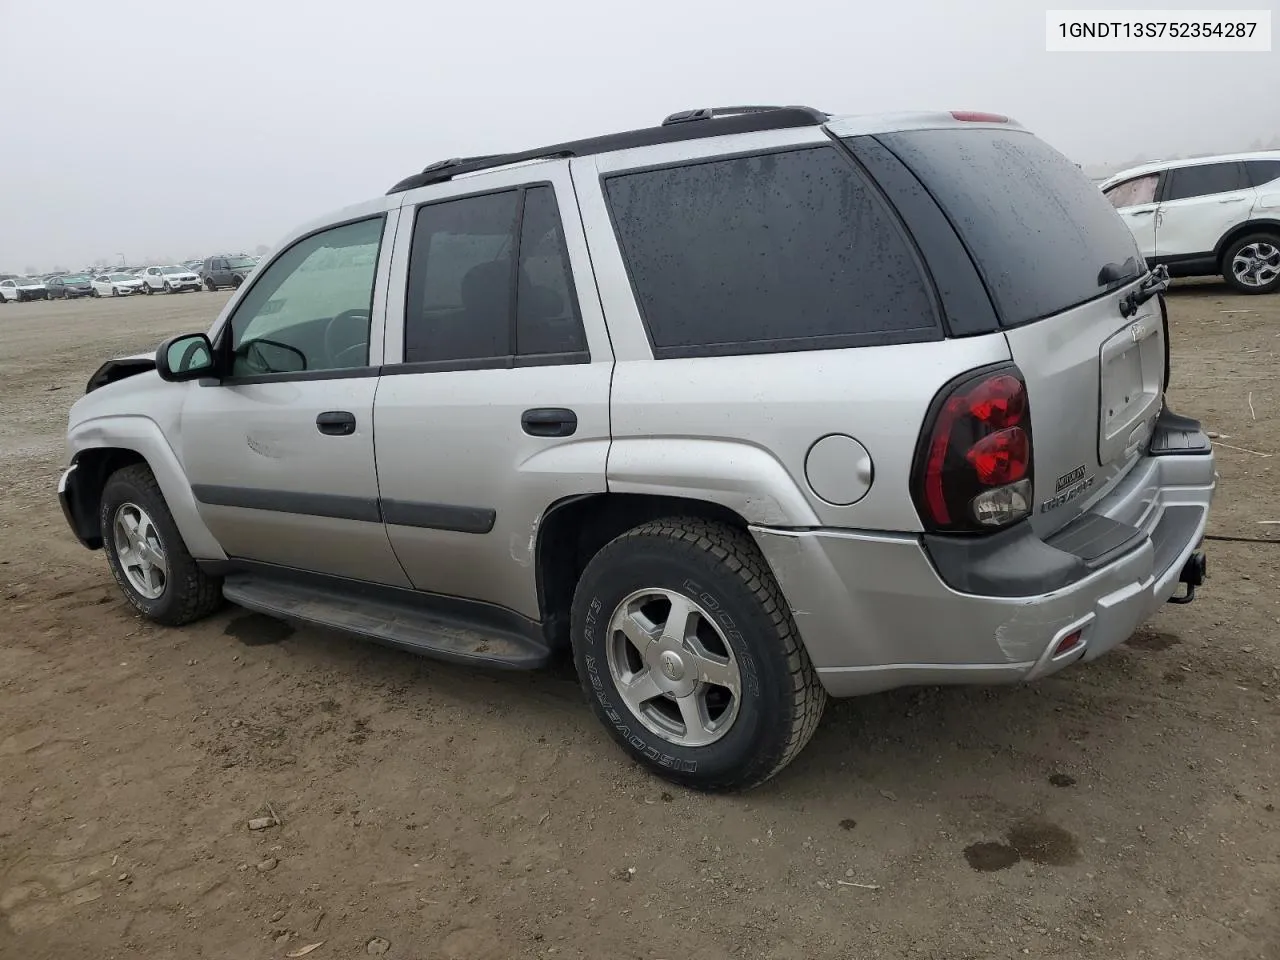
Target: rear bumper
column 875, row 613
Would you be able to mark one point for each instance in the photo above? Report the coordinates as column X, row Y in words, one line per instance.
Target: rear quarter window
column 1038, row 230
column 781, row 251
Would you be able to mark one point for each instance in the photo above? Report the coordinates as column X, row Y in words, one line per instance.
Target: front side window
column 465, row 302
column 1204, row 180
column 1130, row 193
column 772, row 252
column 310, row 309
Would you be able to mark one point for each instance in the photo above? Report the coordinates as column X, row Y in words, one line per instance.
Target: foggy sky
column 177, row 129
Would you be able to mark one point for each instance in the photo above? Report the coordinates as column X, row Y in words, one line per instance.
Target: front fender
column 747, row 479
column 143, row 436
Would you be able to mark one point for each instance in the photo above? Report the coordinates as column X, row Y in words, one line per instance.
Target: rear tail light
column 973, row 465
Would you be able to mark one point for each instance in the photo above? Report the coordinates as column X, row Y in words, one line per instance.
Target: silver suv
column 747, row 409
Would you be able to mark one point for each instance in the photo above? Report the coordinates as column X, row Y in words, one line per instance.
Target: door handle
column 1139, row 213
column 549, row 422
column 1233, row 199
column 336, row 423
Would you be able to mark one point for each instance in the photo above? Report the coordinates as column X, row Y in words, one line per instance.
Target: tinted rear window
column 1204, row 179
column 772, row 252
column 1037, row 228
column 1263, row 171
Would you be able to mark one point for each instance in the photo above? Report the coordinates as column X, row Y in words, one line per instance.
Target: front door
column 280, row 452
column 1135, row 201
column 1199, row 205
column 494, row 404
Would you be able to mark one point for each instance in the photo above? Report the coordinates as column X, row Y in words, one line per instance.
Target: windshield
column 173, row 270
column 76, row 278
column 120, row 276
column 1038, row 230
column 30, row 282
column 239, row 263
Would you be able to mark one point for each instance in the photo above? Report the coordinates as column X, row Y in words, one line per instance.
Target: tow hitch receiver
column 1193, row 574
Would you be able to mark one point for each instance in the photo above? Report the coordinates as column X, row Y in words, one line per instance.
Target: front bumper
column 875, row 613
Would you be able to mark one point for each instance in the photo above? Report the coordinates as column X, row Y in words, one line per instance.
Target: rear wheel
column 1252, row 264
column 94, row 292
column 146, row 553
column 689, row 656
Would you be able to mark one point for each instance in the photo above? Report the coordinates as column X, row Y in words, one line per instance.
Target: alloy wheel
column 673, row 667
column 140, row 551
column 1257, row 264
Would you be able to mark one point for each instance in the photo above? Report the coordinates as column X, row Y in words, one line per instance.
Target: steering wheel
column 346, row 338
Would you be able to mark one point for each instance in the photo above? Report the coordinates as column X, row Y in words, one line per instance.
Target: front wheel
column 210, row 285
column 168, row 287
column 688, row 653
column 1252, row 264
column 146, row 554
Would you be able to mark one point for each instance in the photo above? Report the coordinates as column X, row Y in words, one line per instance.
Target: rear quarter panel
column 737, row 430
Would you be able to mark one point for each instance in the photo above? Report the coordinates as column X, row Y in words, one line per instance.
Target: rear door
column 1199, row 204
column 1041, row 235
column 494, row 399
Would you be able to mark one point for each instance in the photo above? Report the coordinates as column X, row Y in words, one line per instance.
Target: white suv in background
column 1206, row 216
column 169, row 278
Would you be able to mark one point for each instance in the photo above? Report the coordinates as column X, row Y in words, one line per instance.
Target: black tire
column 94, row 293
column 1235, row 283
column 781, row 699
column 236, row 281
column 210, row 285
column 168, row 288
column 189, row 593
column 115, row 291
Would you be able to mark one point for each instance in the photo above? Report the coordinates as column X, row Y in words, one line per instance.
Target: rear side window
column 1038, row 229
column 1262, row 171
column 458, row 305
column 1204, row 180
column 547, row 320
column 771, row 252
column 465, row 303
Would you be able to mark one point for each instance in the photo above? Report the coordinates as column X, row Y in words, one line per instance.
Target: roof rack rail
column 710, row 113
column 675, row 128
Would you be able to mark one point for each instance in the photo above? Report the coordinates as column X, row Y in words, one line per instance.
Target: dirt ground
column 1126, row 808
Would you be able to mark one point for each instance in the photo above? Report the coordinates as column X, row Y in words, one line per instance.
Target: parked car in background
column 117, row 284
column 1206, row 216
column 70, row 287
column 226, row 271
column 169, row 278
column 22, row 289
column 569, row 454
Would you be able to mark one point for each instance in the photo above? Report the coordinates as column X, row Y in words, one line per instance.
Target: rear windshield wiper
column 1114, row 273
column 1157, row 281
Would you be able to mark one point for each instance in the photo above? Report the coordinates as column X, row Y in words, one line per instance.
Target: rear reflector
column 977, row 116
column 1067, row 643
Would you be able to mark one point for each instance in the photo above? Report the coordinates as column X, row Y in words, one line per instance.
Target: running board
column 399, row 621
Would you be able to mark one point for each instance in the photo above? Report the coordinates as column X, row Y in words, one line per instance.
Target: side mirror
column 185, row 357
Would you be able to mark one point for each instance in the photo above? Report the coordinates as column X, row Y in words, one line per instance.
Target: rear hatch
column 1057, row 261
